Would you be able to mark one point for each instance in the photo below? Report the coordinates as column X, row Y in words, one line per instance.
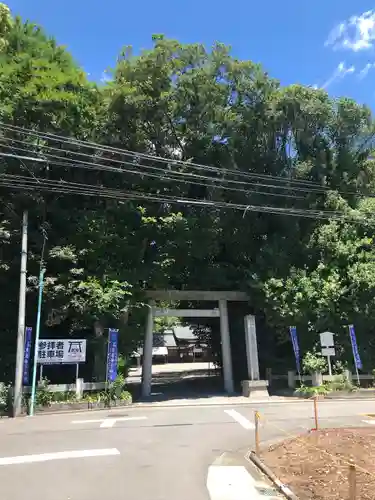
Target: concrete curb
column 271, row 476
column 200, row 404
column 270, row 402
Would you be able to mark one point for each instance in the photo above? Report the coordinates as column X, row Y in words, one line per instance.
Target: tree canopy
column 200, row 171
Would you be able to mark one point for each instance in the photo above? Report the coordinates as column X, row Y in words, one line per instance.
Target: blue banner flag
column 293, row 336
column 353, row 340
column 26, row 355
column 112, row 355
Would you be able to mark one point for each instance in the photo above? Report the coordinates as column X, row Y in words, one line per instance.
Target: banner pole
column 107, row 364
column 294, row 338
column 353, row 342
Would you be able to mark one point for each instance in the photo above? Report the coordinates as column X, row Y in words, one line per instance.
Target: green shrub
column 339, row 367
column 43, row 396
column 126, row 396
column 123, row 365
column 313, row 363
column 313, row 390
column 340, row 383
column 4, row 397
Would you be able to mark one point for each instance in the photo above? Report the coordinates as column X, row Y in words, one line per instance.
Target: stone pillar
column 147, row 354
column 316, row 379
column 251, row 348
column 79, row 388
column 253, row 388
column 291, row 379
column 225, row 347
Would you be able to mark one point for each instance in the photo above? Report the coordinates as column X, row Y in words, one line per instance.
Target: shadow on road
column 167, row 387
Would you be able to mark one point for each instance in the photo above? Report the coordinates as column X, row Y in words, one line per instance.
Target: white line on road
column 246, row 424
column 110, row 422
column 62, row 455
column 87, row 421
column 107, row 422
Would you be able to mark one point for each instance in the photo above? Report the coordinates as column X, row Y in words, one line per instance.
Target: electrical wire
column 63, row 188
column 26, row 183
column 167, row 177
column 163, row 176
column 292, row 184
column 176, row 162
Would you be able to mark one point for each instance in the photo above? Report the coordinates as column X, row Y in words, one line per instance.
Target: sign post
column 328, row 349
column 61, row 351
column 55, row 351
column 356, row 356
column 293, row 336
column 112, row 355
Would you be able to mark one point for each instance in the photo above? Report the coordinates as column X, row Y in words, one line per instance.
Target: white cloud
column 364, row 71
column 338, row 74
column 357, row 33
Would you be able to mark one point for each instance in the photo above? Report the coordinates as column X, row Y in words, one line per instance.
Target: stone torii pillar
column 147, row 353
column 225, row 347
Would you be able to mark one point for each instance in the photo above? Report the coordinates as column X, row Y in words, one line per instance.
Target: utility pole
column 17, row 401
column 37, row 332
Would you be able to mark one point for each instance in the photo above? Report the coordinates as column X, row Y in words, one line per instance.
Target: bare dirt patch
column 316, row 466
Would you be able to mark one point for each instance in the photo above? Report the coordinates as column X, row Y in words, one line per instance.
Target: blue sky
column 328, row 43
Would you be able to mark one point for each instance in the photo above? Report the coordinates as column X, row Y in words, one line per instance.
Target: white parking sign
column 53, row 351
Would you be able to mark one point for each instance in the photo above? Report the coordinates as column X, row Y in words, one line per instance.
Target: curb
column 157, row 404
column 271, row 476
column 67, row 411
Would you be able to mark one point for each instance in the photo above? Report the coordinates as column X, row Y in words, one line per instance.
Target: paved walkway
column 233, row 477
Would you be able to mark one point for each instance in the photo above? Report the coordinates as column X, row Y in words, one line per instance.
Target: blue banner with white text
column 27, row 355
column 353, row 341
column 112, row 356
column 293, row 336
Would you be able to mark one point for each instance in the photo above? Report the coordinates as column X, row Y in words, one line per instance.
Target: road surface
column 151, row 452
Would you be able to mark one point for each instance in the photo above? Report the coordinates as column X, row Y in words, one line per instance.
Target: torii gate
column 222, row 298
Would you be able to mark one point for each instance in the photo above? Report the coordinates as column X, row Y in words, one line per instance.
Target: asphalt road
column 158, row 453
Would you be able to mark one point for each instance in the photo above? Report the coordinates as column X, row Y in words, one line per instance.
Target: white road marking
column 110, row 422
column 62, row 455
column 107, row 422
column 246, row 424
column 230, row 483
column 371, row 422
column 87, row 421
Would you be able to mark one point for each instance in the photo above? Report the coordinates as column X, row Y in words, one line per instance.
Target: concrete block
column 255, row 389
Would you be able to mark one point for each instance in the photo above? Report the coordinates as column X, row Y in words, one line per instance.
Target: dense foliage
column 184, row 103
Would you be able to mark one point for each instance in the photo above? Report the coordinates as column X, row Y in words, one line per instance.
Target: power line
column 163, row 176
column 151, row 167
column 26, row 183
column 291, row 184
column 176, row 162
column 167, row 176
